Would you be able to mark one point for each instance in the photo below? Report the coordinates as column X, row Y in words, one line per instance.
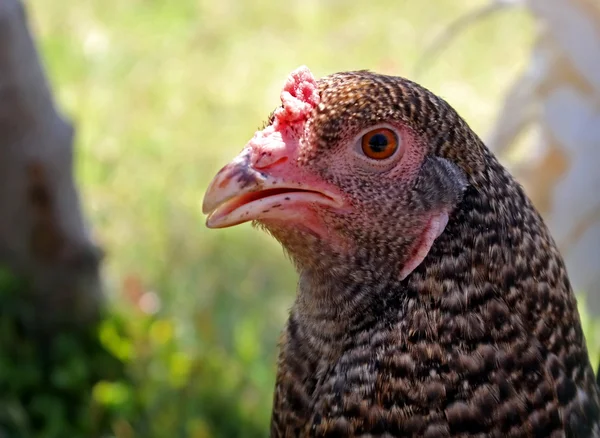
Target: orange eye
column 379, row 144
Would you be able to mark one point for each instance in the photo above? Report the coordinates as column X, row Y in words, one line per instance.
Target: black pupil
column 378, row 143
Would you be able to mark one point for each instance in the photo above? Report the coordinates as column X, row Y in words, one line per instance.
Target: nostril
column 267, row 160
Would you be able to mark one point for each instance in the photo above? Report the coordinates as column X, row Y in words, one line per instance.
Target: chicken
column 432, row 300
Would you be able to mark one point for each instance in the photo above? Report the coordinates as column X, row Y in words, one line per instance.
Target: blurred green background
column 165, row 92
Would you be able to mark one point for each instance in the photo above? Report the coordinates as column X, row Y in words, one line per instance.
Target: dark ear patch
column 440, row 183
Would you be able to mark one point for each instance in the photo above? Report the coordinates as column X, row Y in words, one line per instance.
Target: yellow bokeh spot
column 197, row 428
column 112, row 341
column 111, row 394
column 162, row 331
column 180, row 366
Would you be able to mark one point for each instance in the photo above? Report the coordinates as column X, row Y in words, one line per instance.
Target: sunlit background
column 162, row 94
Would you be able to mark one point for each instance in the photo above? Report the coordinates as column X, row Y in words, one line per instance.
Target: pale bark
column 558, row 97
column 43, row 235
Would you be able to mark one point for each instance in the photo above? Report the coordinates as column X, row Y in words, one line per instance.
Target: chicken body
column 432, row 300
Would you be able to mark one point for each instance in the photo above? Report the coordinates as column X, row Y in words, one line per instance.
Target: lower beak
column 240, row 193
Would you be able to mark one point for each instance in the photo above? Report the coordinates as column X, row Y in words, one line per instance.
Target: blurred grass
column 163, row 93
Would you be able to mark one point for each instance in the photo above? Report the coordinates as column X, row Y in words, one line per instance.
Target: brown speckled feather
column 482, row 339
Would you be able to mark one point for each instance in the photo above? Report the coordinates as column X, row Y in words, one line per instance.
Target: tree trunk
column 43, row 235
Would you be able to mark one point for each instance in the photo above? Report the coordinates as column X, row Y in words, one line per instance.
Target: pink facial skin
column 435, row 227
column 279, row 141
column 265, row 183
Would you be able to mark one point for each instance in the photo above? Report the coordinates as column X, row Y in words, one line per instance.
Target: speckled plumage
column 482, row 339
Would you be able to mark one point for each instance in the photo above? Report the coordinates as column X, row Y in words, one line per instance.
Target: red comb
column 299, row 96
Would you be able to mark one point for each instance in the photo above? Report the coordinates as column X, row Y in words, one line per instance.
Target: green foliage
column 591, row 328
column 126, row 376
column 186, row 391
column 47, row 379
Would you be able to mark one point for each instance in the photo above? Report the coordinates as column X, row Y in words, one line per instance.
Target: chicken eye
column 379, row 144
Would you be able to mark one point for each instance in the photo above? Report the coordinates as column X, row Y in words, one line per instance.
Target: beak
column 243, row 191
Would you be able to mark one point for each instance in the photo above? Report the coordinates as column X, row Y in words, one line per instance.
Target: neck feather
column 495, row 249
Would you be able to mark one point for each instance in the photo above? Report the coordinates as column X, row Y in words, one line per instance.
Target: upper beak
column 240, row 192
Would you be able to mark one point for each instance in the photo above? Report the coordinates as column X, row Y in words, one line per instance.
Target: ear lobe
column 439, row 187
column 440, row 183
